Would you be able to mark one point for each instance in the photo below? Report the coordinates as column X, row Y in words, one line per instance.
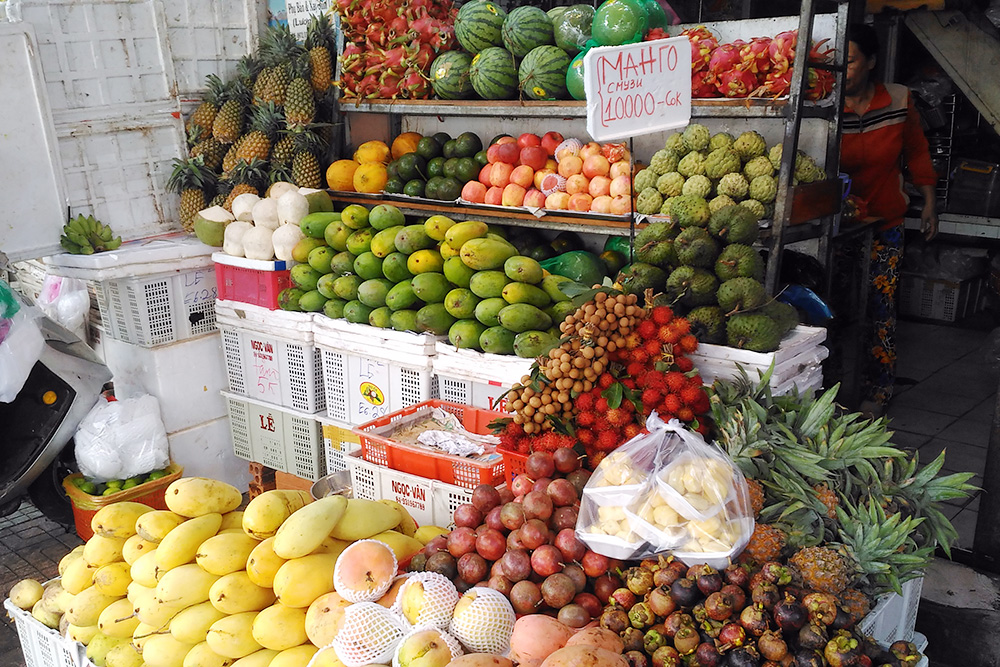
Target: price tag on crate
column 637, row 88
column 199, row 287
column 264, row 381
column 370, row 387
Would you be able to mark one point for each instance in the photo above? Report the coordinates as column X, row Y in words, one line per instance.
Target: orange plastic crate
column 85, row 506
column 513, row 464
column 456, row 470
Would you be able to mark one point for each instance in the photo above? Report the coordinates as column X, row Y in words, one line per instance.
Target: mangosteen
column 732, row 635
column 654, row 638
column 719, row 606
column 686, row 639
column 874, row 651
column 709, row 581
column 772, row 646
column 652, row 565
column 615, row 619
column 666, row 575
column 745, row 656
column 813, row 637
column 776, row 573
column 624, row 597
column 685, row 592
column 711, row 628
column 632, row 638
column 754, row 620
column 417, row 563
column 639, row 580
column 904, row 653
column 699, row 612
column 675, row 621
column 822, row 608
column 738, row 595
column 660, row 601
column 765, row 594
column 666, row 656
column 641, row 616
column 737, row 574
column 637, row 659
column 842, row 621
column 808, row 658
column 790, row 615
column 695, row 570
column 842, row 650
column 707, row 655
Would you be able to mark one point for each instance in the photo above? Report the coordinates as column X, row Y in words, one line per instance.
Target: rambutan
column 509, row 442
column 695, row 380
column 657, row 381
column 617, row 417
column 602, row 424
column 668, row 334
column 551, row 441
column 605, row 381
column 651, row 397
column 690, row 394
column 676, row 381
column 662, row 315
column 702, row 405
column 523, row 446
column 632, row 430
column 634, row 369
column 702, row 427
column 585, row 419
column 628, row 383
column 601, row 405
column 688, row 343
column 586, row 436
column 585, row 402
column 608, row 440
column 514, row 429
column 620, row 355
column 594, row 459
column 685, row 414
column 684, row 364
column 647, row 329
column 638, row 356
column 653, row 348
column 671, row 403
column 682, row 326
column 628, row 406
column 633, row 340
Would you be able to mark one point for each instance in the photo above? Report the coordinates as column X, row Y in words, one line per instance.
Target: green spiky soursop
column 645, row 179
column 664, row 161
column 722, row 201
column 753, row 331
column 755, row 207
column 774, row 156
column 698, row 186
column 696, row 247
column 758, row 166
column 720, row 140
column 783, row 314
column 670, row 184
column 750, row 145
column 638, row 277
column 696, row 137
column 693, row 286
column 659, row 253
column 734, row 224
column 708, row 324
column 734, row 186
column 692, row 164
column 763, row 189
column 739, row 261
column 675, row 143
column 656, row 231
column 722, row 161
column 740, row 294
column 649, row 202
column 690, row 211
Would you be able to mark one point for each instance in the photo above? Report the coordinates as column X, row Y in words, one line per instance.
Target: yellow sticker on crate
column 370, row 389
column 372, row 393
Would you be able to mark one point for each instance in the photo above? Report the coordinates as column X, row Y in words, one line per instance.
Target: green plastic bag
column 579, row 265
column 618, row 243
column 8, row 302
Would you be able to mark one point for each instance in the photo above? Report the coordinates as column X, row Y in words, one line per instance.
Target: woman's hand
column 928, row 215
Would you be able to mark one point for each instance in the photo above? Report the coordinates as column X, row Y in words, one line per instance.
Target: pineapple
column 306, row 170
column 232, row 155
column 283, row 151
column 193, row 181
column 246, row 177
column 265, row 122
column 278, row 49
column 756, row 490
column 823, row 569
column 320, row 42
column 300, row 108
column 829, row 498
column 766, row 544
column 203, row 117
column 228, row 124
column 212, row 151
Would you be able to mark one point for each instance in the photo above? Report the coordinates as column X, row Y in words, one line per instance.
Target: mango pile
column 204, row 584
column 460, row 279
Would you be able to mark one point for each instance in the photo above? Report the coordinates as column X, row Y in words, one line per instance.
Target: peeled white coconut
column 281, row 187
column 284, row 239
column 292, row 207
column 257, row 243
column 319, row 200
column 232, row 244
column 243, row 206
column 265, row 213
column 210, row 225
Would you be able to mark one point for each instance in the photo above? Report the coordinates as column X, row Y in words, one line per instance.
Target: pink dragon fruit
column 703, row 42
column 755, row 56
column 703, row 85
column 819, row 84
column 775, row 84
column 737, row 83
column 782, row 50
column 388, row 86
column 724, row 58
column 655, row 33
column 415, row 85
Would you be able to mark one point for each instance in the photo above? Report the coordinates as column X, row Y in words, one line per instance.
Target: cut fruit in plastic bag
column 364, row 571
column 369, row 634
column 432, row 645
column 483, row 621
column 427, row 599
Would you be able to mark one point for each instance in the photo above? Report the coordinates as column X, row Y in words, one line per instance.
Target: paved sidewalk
column 30, row 546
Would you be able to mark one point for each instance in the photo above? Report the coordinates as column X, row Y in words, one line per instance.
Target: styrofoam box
column 894, row 616
column 370, row 372
column 476, row 378
column 42, row 646
column 428, row 501
column 799, row 348
column 339, row 440
column 283, row 439
column 185, row 377
column 205, row 450
column 270, row 356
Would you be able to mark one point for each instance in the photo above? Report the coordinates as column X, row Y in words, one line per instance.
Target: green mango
column 525, row 293
column 488, row 284
column 497, row 340
column 520, row 317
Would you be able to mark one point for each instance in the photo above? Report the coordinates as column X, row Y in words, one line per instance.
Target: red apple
column 484, row 173
column 596, row 165
column 494, row 196
column 621, row 187
column 541, row 174
column 601, row 204
column 500, row 174
column 557, row 201
column 592, row 148
column 534, row 156
column 551, row 141
column 621, row 205
column 569, row 165
column 506, row 140
column 513, row 195
column 534, row 198
column 529, row 139
column 493, row 153
column 620, row 169
column 508, row 153
column 599, row 185
column 523, row 176
column 577, row 183
column 474, row 191
column 580, row 202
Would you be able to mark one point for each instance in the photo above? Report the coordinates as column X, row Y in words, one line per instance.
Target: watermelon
column 450, row 76
column 494, row 74
column 618, row 22
column 478, row 25
column 574, row 78
column 526, row 28
column 572, row 29
column 543, row 73
column 657, row 18
column 556, row 12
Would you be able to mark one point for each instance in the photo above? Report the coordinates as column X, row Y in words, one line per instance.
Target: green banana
column 77, row 238
column 106, row 233
column 85, row 235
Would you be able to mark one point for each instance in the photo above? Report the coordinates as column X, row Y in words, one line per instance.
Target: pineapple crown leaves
column 247, row 70
column 215, row 90
column 254, row 173
column 190, row 174
column 267, row 119
column 320, row 33
column 279, row 172
column 278, row 45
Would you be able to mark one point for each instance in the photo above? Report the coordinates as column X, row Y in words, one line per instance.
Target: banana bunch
column 85, row 236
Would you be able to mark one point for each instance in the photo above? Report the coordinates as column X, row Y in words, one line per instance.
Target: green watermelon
column 493, row 74
column 618, row 22
column 478, row 25
column 543, row 73
column 574, row 78
column 450, row 76
column 526, row 28
column 572, row 29
column 556, row 12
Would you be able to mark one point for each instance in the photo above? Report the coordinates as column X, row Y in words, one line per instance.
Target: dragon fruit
column 655, row 33
column 782, row 50
column 703, row 85
column 737, row 83
column 819, row 84
column 703, row 42
column 755, row 56
column 775, row 84
column 415, row 85
column 724, row 58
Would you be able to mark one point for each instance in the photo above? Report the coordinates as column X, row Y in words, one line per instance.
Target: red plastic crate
column 254, row 286
column 513, row 464
column 425, row 463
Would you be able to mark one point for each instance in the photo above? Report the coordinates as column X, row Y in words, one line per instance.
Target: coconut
column 257, row 243
column 265, row 213
column 292, row 207
column 243, row 206
column 284, row 239
column 210, row 225
column 319, row 200
column 233, row 241
column 281, row 187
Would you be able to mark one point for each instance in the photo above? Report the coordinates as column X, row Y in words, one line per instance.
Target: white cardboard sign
column 637, row 88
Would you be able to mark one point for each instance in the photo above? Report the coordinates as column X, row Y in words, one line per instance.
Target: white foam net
column 485, row 625
column 370, row 594
column 452, row 643
column 439, row 599
column 370, row 634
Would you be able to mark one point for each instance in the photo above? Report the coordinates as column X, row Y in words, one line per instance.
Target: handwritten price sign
column 638, row 88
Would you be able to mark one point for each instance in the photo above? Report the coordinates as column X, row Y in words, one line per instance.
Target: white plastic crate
column 338, row 442
column 283, row 439
column 428, row 501
column 894, row 616
column 42, row 646
column 270, row 356
column 799, row 353
column 476, row 378
column 369, row 372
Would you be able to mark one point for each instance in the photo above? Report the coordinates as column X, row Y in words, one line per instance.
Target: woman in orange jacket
column 881, row 137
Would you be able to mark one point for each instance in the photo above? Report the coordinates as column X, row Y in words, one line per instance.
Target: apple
column 601, row 204
column 513, row 195
column 494, row 196
column 599, row 185
column 591, row 148
column 619, row 169
column 534, row 198
column 569, row 165
column 425, row 648
column 621, row 205
column 508, row 153
column 541, row 174
column 506, row 140
column 577, row 183
column 551, row 141
column 493, row 153
column 484, row 173
column 500, row 174
column 565, row 153
column 474, row 191
column 580, row 202
column 523, row 176
column 529, row 139
column 596, row 165
column 621, row 187
column 534, row 156
column 557, row 201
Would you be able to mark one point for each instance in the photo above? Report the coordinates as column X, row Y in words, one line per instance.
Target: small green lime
column 79, row 481
column 414, row 188
column 89, row 487
column 129, row 483
column 157, row 474
column 110, row 490
column 394, row 186
column 435, row 167
column 115, row 483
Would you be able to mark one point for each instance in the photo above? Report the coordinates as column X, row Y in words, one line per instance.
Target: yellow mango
column 45, row 616
column 235, row 593
column 113, row 579
column 145, row 571
column 306, row 528
column 202, row 655
column 101, row 551
column 56, row 598
column 261, row 658
column 407, row 525
column 324, row 617
column 362, row 519
column 191, row 625
column 263, row 563
column 232, row 519
column 154, row 526
column 81, row 633
column 118, row 619
column 87, row 606
column 153, row 612
column 117, row 520
column 298, row 656
column 143, row 632
column 331, row 546
column 123, row 655
column 279, row 627
column 198, row 496
column 99, row 647
column 327, row 658
column 425, row 534
column 225, row 552
column 185, row 586
column 265, row 513
column 180, row 545
column 66, row 560
column 302, row 580
column 164, row 651
column 232, row 636
column 79, row 575
column 135, row 548
column 401, row 545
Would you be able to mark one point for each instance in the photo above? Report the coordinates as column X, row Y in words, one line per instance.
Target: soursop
column 690, row 211
column 664, row 161
column 740, row 294
column 758, row 166
column 670, row 184
column 750, row 145
column 645, row 179
column 763, row 189
column 698, row 186
column 753, row 331
column 720, row 140
column 675, row 143
column 692, row 164
column 655, row 231
column 667, row 203
column 692, row 286
column 696, row 247
column 734, row 224
column 661, row 253
column 733, row 185
column 722, row 161
column 755, row 207
column 739, row 261
column 638, row 277
column 708, row 324
column 696, row 137
column 783, row 314
column 722, row 201
column 649, row 202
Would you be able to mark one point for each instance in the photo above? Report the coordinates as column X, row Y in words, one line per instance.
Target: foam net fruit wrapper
column 453, row 644
column 439, row 599
column 370, row 634
column 485, row 625
column 352, row 595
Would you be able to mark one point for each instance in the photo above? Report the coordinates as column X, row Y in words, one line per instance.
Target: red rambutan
column 651, row 397
column 586, row 436
column 605, row 381
column 628, row 406
column 702, row 427
column 702, row 405
column 632, row 430
column 594, row 459
column 638, row 356
column 695, row 380
column 684, row 364
column 601, row 405
column 668, row 334
column 602, row 424
column 514, row 429
column 585, row 419
column 585, row 402
column 634, row 369
column 647, row 329
column 620, row 355
column 682, row 326
column 685, row 414
column 671, row 403
column 676, row 381
column 629, row 383
column 633, row 340
column 662, row 314
column 689, row 343
column 523, row 446
column 690, row 395
column 617, row 417
column 654, row 348
column 608, row 440
column 657, row 381
column 509, row 442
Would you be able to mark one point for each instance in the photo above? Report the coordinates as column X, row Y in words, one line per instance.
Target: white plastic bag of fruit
column 666, row 491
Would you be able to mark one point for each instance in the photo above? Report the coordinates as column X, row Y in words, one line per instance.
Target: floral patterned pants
column 879, row 372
